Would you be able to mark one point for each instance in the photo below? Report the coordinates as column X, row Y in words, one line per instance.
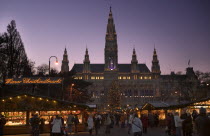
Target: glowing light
column 3, row 100
column 56, row 62
column 18, row 97
column 10, row 98
column 34, row 81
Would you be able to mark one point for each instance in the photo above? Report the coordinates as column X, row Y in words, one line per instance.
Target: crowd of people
column 187, row 124
column 56, row 124
column 135, row 125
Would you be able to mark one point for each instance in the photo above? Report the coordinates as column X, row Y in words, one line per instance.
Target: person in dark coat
column 76, row 122
column 41, row 126
column 97, row 123
column 183, row 117
column 188, row 126
column 194, row 115
column 144, row 121
column 202, row 123
column 156, row 117
column 168, row 123
column 2, row 124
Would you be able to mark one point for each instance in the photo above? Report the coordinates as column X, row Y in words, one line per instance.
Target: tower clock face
column 111, row 63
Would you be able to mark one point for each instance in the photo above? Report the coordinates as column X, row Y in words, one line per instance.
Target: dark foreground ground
column 116, row 131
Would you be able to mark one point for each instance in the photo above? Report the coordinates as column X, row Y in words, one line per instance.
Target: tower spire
column 111, row 51
column 65, row 62
column 155, row 64
column 134, row 62
column 86, row 63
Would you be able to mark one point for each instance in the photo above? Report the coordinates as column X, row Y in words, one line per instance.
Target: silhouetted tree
column 54, row 72
column 29, row 69
column 13, row 56
column 203, row 76
column 43, row 69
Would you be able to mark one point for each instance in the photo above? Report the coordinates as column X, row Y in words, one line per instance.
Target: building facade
column 136, row 82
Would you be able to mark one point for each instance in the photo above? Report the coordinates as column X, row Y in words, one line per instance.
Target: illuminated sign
column 34, row 80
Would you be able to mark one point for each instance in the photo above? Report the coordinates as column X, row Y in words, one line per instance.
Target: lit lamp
column 56, row 62
column 71, row 92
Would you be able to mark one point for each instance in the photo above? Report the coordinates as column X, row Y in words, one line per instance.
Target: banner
column 34, row 80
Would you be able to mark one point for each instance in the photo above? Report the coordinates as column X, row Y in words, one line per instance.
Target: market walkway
column 116, row 131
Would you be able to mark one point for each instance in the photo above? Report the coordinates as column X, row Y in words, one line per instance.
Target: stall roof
column 154, row 105
column 24, row 102
column 172, row 105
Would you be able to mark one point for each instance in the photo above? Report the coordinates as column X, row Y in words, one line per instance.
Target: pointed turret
column 86, row 63
column 134, row 62
column 111, row 51
column 65, row 62
column 155, row 65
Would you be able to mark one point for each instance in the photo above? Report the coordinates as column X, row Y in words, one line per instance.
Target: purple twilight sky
column 179, row 29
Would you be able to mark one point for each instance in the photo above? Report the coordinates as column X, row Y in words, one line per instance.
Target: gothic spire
column 110, row 32
column 86, row 62
column 65, row 51
column 155, row 63
column 86, row 56
column 65, row 62
column 111, row 51
column 134, row 62
column 134, row 57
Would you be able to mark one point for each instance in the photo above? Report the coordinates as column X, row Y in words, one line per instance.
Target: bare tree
column 43, row 69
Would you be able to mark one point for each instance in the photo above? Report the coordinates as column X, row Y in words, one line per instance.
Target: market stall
column 19, row 109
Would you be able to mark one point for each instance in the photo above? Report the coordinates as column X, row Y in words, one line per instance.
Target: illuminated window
column 101, row 77
column 141, row 77
column 119, row 77
column 80, row 77
column 128, row 77
column 150, row 77
column 124, row 77
column 76, row 77
column 92, row 77
column 145, row 77
column 135, row 77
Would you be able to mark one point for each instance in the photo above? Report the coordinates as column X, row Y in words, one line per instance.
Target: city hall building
column 137, row 83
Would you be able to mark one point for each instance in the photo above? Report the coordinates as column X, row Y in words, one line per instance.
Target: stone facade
column 136, row 82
